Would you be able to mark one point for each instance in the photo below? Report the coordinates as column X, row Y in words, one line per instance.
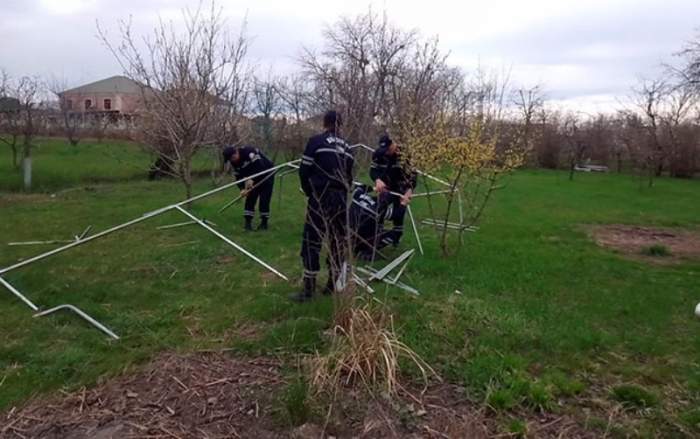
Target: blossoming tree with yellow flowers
column 471, row 155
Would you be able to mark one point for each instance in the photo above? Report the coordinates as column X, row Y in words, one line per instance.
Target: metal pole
column 231, row 243
column 459, row 201
column 398, row 275
column 132, row 222
column 241, row 196
column 415, row 228
column 391, row 265
column 425, row 194
column 175, row 225
column 81, row 314
column 40, row 242
column 18, row 294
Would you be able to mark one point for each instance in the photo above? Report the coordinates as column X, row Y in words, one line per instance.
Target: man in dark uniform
column 391, row 173
column 366, row 218
column 248, row 161
column 326, row 176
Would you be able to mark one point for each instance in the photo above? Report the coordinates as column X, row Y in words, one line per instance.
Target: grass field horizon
column 545, row 319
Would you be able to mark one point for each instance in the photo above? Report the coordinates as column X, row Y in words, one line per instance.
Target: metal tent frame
column 83, row 239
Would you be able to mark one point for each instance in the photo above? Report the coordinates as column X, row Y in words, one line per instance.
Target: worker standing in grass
column 391, row 172
column 248, row 161
column 326, row 176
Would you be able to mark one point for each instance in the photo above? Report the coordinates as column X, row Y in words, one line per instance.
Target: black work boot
column 248, row 224
column 263, row 224
column 307, row 293
column 329, row 289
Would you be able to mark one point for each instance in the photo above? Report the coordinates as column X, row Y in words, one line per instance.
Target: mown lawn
column 546, row 319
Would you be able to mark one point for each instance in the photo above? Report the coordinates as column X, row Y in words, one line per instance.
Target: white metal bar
column 415, row 228
column 76, row 310
column 459, row 201
column 391, row 265
column 82, row 235
column 358, row 280
column 14, row 291
column 231, row 203
column 401, row 285
column 231, row 243
column 40, row 242
column 398, row 275
column 187, row 223
column 425, row 194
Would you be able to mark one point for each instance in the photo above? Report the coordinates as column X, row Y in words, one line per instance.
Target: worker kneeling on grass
column 248, row 161
column 367, row 216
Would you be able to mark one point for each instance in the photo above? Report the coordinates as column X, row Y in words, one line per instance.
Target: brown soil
column 632, row 240
column 208, row 395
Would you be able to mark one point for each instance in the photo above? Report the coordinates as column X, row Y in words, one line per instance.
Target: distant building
column 116, row 95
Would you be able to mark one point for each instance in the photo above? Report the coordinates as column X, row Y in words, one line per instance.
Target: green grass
column 545, row 317
column 57, row 165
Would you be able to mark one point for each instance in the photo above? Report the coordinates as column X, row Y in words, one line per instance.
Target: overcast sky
column 584, row 52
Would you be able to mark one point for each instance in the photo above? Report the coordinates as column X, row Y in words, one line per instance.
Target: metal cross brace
column 449, row 225
column 187, row 223
column 389, row 280
column 62, row 241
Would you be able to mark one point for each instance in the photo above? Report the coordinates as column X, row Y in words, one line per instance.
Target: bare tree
column 296, row 103
column 267, row 105
column 576, row 145
column 10, row 130
column 194, row 83
column 71, row 122
column 648, row 97
column 528, row 101
column 23, row 118
column 357, row 70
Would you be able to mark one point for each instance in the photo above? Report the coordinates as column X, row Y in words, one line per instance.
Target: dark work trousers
column 394, row 212
column 264, row 193
column 370, row 236
column 326, row 217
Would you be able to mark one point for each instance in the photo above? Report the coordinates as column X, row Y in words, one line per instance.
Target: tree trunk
column 571, row 169
column 619, row 163
column 15, row 157
column 27, row 167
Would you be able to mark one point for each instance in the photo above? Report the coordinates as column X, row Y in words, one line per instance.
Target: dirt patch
column 23, row 199
column 192, row 396
column 225, row 260
column 633, row 241
column 214, row 396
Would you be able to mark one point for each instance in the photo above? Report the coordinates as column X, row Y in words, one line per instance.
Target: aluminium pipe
column 231, row 243
column 78, row 311
column 14, row 291
column 132, row 222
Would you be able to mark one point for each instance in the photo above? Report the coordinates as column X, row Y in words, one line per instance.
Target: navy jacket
column 251, row 162
column 392, row 171
column 327, row 163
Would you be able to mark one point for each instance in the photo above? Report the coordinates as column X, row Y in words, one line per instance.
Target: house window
column 107, row 104
column 69, row 104
column 88, row 104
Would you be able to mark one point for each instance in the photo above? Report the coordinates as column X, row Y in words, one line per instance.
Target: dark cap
column 385, row 141
column 228, row 152
column 332, row 118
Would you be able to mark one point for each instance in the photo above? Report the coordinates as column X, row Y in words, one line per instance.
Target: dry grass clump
column 364, row 349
